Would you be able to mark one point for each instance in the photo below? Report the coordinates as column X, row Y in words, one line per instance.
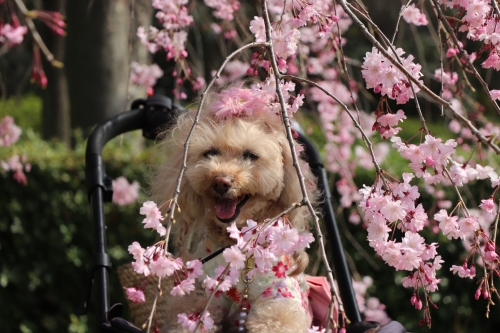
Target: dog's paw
column 277, row 316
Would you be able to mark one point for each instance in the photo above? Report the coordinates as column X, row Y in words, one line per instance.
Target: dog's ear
column 164, row 184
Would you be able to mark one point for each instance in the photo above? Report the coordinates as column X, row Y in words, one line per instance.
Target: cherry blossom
column 153, row 217
column 413, row 15
column 144, row 75
column 12, row 35
column 124, row 193
column 9, row 132
column 135, row 295
column 234, row 257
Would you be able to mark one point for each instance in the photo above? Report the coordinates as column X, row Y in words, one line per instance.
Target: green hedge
column 46, row 234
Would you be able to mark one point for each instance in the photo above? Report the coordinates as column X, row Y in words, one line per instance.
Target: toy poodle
column 239, row 169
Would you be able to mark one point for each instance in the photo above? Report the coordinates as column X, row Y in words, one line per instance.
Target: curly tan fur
column 220, row 148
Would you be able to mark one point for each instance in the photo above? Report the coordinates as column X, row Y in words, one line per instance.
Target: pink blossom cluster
column 386, row 79
column 431, row 156
column 190, row 321
column 386, row 212
column 9, row 132
column 153, row 217
column 480, row 22
column 413, row 15
column 155, row 260
column 265, row 242
column 12, row 34
column 238, row 102
column 223, row 9
column 266, row 245
column 124, row 193
column 449, row 80
column 386, row 122
column 260, row 98
column 17, row 165
column 144, row 75
column 174, row 17
column 370, row 307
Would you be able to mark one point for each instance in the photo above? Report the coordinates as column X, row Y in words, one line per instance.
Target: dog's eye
column 248, row 155
column 211, row 152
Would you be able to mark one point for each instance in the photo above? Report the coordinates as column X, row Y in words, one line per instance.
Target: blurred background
column 45, row 225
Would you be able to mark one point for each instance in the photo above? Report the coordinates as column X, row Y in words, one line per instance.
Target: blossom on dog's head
column 240, row 102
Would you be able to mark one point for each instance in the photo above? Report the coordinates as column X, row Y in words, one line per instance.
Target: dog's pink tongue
column 225, row 208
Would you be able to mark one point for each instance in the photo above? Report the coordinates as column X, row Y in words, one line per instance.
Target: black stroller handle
column 333, row 242
column 152, row 115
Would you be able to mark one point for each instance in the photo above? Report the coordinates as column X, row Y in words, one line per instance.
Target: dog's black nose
column 221, row 184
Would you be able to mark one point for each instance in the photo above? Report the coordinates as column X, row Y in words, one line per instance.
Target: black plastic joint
column 101, row 260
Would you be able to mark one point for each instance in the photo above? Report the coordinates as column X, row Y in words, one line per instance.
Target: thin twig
column 366, row 140
column 186, row 146
column 36, row 36
column 289, row 135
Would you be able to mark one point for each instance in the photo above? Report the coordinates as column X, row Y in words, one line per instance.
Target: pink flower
column 394, row 210
column 448, row 224
column 495, row 94
column 488, row 205
column 185, row 287
column 207, row 321
column 9, row 132
column 188, row 321
column 391, row 119
column 144, row 75
column 284, row 239
column 235, row 233
column 493, row 61
column 195, row 268
column 135, row 295
column 199, row 83
column 463, row 271
column 140, row 267
column 258, row 29
column 234, row 257
column 11, row 34
column 414, row 16
column 136, row 250
column 280, row 270
column 124, row 193
column 165, row 266
column 238, row 102
column 468, row 225
column 153, row 217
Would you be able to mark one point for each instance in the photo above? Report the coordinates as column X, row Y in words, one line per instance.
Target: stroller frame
column 152, row 115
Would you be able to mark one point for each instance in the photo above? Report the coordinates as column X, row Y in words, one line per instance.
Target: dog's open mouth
column 227, row 210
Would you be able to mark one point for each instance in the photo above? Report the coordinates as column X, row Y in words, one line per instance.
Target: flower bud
column 478, row 294
column 413, row 299
column 418, row 304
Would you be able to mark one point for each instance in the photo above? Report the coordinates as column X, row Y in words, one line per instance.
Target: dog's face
column 237, row 168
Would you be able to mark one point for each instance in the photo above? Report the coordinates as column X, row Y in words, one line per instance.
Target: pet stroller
column 153, row 115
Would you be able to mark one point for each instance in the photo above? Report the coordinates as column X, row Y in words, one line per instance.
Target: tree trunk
column 98, row 54
column 55, row 113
